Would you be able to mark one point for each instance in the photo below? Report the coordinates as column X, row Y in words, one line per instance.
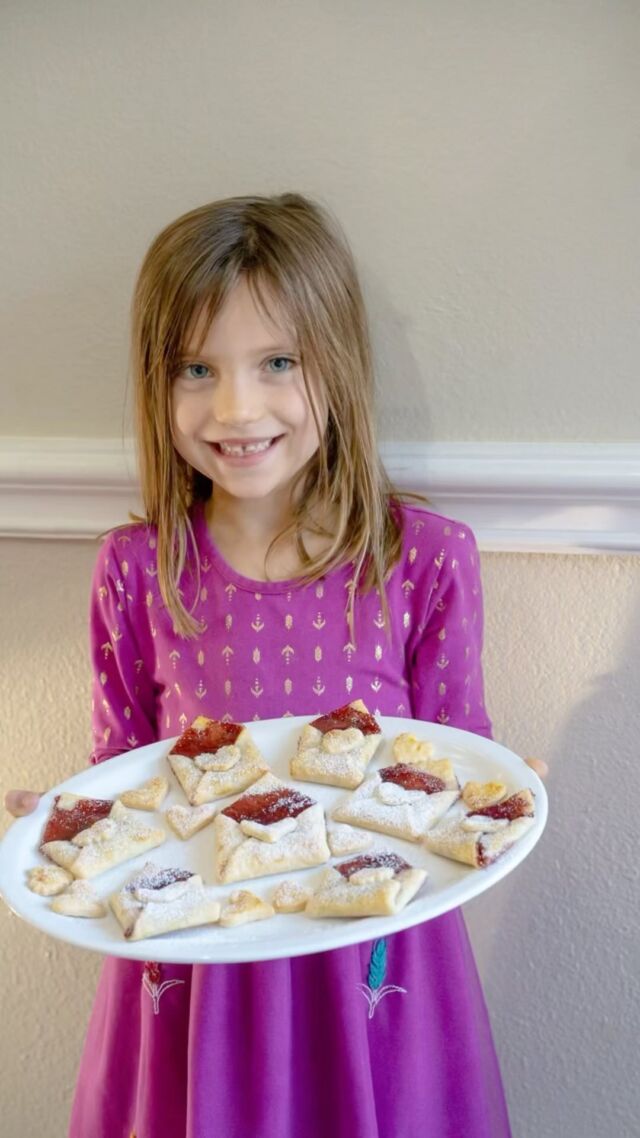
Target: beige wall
column 483, row 158
column 484, row 161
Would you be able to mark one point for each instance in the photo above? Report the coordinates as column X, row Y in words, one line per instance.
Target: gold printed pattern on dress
column 288, row 687
column 256, row 656
column 349, row 649
column 227, row 653
column 413, row 553
column 319, row 622
column 201, row 690
column 287, row 652
column 318, row 687
column 317, row 654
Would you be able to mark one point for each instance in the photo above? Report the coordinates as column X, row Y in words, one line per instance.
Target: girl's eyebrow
column 269, row 349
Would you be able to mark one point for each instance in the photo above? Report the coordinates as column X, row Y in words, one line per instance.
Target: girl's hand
column 539, row 766
column 20, row 802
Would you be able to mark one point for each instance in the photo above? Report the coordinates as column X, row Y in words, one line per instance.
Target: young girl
column 275, row 574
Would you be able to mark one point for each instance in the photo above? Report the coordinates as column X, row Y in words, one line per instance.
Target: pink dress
column 291, row 1048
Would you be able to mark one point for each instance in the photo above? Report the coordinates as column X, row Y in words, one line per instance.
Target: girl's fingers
column 20, row 802
column 539, row 766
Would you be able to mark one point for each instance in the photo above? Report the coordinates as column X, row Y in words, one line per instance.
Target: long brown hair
column 289, row 249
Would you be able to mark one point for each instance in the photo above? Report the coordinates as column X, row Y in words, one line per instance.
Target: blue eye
column 197, row 371
column 281, row 360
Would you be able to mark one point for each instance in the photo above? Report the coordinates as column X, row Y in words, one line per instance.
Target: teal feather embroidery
column 377, row 963
column 375, row 990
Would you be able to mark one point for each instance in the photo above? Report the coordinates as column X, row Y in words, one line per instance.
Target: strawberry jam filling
column 372, row 861
column 206, row 740
column 410, row 778
column 159, row 880
column 518, row 806
column 62, row 825
column 344, row 717
column 272, row 806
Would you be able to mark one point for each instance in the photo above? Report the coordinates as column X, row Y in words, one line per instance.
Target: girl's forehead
column 248, row 313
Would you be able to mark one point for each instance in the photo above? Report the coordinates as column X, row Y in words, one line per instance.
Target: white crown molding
column 516, row 496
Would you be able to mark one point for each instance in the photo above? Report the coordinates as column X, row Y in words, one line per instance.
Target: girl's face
column 240, row 411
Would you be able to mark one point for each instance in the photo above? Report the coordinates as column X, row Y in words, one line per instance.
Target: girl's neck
column 244, row 530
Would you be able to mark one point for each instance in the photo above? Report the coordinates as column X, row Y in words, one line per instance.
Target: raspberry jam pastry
column 337, row 748
column 371, row 885
column 87, row 836
column 154, row 901
column 271, row 829
column 212, row 759
column 479, row 836
column 401, row 800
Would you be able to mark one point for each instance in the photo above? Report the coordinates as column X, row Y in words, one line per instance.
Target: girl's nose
column 235, row 402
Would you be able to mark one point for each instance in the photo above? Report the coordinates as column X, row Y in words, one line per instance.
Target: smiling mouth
column 238, row 449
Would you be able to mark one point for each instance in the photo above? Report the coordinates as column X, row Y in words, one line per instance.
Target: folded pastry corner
column 401, row 800
column 213, row 759
column 336, row 748
column 87, row 836
column 478, row 837
column 155, row 900
column 371, row 885
column 272, row 828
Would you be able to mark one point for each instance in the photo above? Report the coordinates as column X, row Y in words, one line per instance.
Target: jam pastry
column 87, row 836
column 371, row 885
column 402, row 800
column 479, row 836
column 243, row 907
column 155, row 901
column 212, row 759
column 271, row 829
column 337, row 748
column 149, row 796
column 79, row 900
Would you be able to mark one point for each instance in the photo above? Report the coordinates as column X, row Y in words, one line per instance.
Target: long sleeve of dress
column 446, row 661
column 123, row 695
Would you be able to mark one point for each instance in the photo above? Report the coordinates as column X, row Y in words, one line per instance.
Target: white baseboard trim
column 522, row 497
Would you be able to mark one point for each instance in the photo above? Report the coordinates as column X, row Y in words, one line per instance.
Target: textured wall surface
column 555, row 941
column 483, row 158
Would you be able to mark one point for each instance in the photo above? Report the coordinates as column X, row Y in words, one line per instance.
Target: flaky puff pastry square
column 337, row 748
column 86, row 850
column 478, row 837
column 212, row 759
column 371, row 885
column 155, row 901
column 401, row 800
column 271, row 829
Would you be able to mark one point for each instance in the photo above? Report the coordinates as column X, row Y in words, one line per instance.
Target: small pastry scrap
column 79, row 900
column 476, row 795
column 243, row 907
column 47, row 880
column 343, row 839
column 87, row 836
column 337, row 748
column 270, row 829
column 401, row 800
column 371, row 885
column 290, row 897
column 185, row 821
column 419, row 753
column 149, row 796
column 479, row 836
column 212, row 759
column 155, row 901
